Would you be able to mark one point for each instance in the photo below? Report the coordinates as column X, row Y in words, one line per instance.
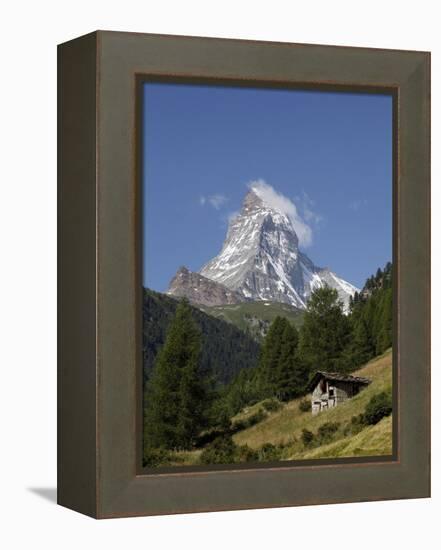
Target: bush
column 272, row 405
column 155, row 457
column 326, row 431
column 358, row 420
column 246, row 454
column 208, row 436
column 307, row 437
column 378, row 407
column 238, row 426
column 255, row 418
column 221, row 451
column 305, row 405
column 250, row 420
column 269, row 452
column 355, row 426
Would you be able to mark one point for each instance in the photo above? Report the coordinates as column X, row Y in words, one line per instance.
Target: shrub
column 246, row 454
column 238, row 426
column 307, row 437
column 270, row 452
column 250, row 420
column 378, row 407
column 358, row 420
column 326, row 431
column 255, row 418
column 355, row 426
column 208, row 436
column 224, row 421
column 221, row 451
column 155, row 457
column 272, row 405
column 305, row 405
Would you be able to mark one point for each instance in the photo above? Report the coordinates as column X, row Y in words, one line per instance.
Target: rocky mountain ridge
column 201, row 290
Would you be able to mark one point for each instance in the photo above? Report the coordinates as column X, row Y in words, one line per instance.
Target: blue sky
column 330, row 153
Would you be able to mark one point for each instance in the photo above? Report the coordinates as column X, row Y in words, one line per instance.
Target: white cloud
column 286, row 206
column 357, row 204
column 233, row 215
column 307, row 206
column 216, row 201
column 227, row 218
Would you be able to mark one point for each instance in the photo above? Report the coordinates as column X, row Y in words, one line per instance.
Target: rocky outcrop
column 200, row 290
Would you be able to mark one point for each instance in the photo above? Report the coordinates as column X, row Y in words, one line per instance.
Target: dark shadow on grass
column 48, row 493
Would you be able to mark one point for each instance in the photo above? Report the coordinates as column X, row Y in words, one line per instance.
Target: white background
column 29, row 34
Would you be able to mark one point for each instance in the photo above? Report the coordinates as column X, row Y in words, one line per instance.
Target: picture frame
column 100, row 472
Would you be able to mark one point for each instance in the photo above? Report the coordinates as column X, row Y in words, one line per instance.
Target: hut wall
column 317, row 393
column 342, row 391
column 336, row 392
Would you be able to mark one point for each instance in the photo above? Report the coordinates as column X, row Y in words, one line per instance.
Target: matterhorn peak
column 252, row 199
column 260, row 259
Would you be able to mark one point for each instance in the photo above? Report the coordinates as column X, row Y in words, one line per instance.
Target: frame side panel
column 77, row 274
column 414, row 274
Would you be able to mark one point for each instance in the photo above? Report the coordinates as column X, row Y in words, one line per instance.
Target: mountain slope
column 285, row 426
column 225, row 349
column 255, row 317
column 372, row 441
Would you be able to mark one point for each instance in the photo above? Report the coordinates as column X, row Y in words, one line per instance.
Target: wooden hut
column 329, row 389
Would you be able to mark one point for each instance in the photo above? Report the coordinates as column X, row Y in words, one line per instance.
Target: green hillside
column 372, row 441
column 284, row 427
column 226, row 350
column 255, row 317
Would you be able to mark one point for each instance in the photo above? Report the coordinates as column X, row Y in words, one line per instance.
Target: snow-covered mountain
column 260, row 258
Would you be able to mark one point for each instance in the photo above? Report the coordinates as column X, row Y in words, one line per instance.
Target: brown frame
column 99, row 274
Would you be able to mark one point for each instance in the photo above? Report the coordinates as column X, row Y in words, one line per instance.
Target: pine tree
column 387, row 276
column 244, row 390
column 371, row 320
column 270, row 356
column 175, row 396
column 384, row 339
column 378, row 276
column 291, row 376
column 325, row 332
column 362, row 345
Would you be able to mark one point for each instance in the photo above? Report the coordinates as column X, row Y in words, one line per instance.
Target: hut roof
column 337, row 377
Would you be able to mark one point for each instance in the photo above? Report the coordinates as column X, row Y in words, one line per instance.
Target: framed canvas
column 208, row 360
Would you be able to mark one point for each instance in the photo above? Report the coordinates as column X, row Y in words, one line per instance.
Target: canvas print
column 267, row 275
